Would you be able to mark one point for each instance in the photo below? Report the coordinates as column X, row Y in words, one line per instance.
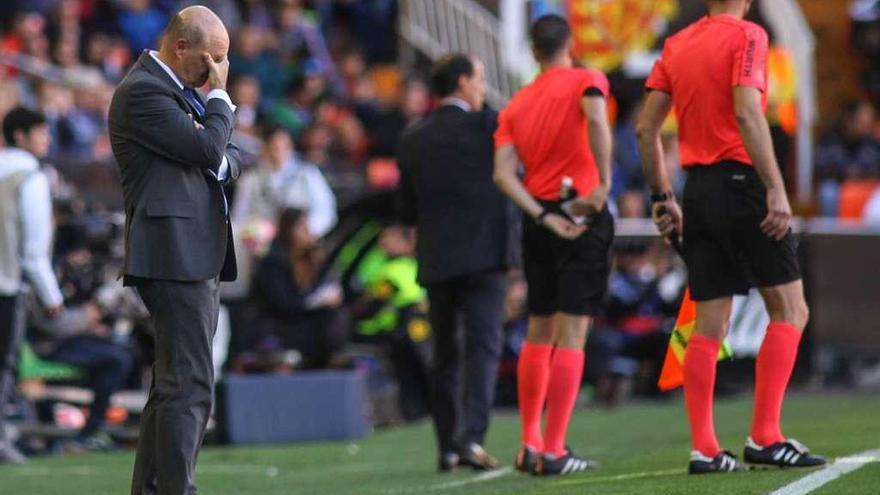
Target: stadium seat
column 33, row 367
column 854, row 195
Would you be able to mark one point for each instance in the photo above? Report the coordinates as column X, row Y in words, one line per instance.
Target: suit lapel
column 150, row 65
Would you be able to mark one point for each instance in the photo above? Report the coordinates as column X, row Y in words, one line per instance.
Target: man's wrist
column 660, row 197
column 539, row 218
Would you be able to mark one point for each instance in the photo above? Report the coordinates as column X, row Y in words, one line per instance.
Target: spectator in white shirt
column 281, row 180
column 25, row 242
column 284, row 180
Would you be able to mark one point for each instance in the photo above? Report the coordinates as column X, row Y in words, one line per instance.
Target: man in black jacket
column 464, row 232
column 174, row 156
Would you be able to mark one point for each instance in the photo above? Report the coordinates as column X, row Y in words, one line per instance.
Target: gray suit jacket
column 176, row 225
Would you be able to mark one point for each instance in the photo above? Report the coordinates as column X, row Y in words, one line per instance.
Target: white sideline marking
column 840, row 467
column 480, row 478
column 620, row 477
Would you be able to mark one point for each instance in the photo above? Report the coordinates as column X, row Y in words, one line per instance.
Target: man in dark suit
column 174, row 155
column 464, row 248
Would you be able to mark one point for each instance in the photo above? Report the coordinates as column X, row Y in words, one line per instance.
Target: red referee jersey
column 545, row 123
column 699, row 67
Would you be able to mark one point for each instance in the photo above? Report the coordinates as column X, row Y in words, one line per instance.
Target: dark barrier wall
column 842, row 272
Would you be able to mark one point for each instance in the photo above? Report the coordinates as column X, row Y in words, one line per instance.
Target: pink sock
column 566, row 371
column 772, row 372
column 700, row 359
column 532, row 371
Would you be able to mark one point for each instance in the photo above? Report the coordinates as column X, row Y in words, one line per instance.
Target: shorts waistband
column 724, row 165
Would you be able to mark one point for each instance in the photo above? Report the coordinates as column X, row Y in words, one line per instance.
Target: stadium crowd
column 321, row 106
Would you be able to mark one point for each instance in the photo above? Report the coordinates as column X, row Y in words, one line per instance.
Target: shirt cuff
column 223, row 171
column 223, row 95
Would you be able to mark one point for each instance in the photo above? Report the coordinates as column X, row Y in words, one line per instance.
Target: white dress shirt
column 455, row 101
column 223, row 171
column 35, row 209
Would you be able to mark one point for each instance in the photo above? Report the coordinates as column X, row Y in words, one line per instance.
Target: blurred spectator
column 26, row 26
column 226, row 10
column 643, row 292
column 80, row 337
column 294, row 112
column 391, row 311
column 108, row 54
column 301, row 37
column 386, row 127
column 632, row 204
column 283, row 180
column 246, row 94
column 251, row 57
column 258, row 13
column 627, row 166
column 25, row 243
column 851, row 152
column 141, row 24
column 296, row 304
column 866, row 39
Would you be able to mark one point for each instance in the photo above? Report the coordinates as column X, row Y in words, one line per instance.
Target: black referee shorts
column 568, row 276
column 724, row 248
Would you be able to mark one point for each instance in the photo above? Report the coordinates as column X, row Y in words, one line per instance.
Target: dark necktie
column 193, row 99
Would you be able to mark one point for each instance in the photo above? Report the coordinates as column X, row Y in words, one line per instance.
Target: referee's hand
column 562, row 226
column 778, row 214
column 667, row 217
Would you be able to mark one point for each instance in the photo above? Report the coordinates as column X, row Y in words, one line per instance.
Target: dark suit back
column 465, row 224
column 176, row 225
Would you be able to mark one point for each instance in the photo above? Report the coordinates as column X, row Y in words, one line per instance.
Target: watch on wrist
column 540, row 218
column 661, row 197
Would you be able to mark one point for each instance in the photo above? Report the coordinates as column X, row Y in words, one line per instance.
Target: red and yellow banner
column 606, row 32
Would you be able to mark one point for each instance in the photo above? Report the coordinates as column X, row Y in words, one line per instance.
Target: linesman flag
column 672, row 375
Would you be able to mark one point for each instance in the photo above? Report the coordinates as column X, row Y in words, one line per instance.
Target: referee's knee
column 801, row 315
column 795, row 313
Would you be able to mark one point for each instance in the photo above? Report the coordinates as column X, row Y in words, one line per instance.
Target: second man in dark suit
column 464, row 231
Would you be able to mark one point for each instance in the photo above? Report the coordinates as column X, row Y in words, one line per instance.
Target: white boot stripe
column 795, row 458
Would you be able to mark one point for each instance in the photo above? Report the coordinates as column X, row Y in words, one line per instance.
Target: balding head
column 192, row 32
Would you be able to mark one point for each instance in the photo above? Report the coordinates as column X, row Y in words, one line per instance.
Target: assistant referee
column 558, row 127
column 735, row 222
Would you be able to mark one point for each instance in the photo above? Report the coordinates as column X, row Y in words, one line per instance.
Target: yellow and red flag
column 672, row 375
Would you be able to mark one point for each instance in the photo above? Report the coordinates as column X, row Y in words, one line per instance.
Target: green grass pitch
column 643, row 449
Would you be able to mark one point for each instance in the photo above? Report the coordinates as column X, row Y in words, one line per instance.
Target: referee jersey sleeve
column 504, row 132
column 750, row 59
column 659, row 78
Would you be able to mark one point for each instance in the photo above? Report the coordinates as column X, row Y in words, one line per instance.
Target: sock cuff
column 536, row 352
column 784, row 329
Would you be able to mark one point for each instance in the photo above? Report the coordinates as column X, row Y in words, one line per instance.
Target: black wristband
column 661, row 197
column 540, row 218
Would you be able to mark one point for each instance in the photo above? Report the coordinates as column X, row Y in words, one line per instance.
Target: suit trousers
column 184, row 317
column 461, row 417
column 12, row 329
